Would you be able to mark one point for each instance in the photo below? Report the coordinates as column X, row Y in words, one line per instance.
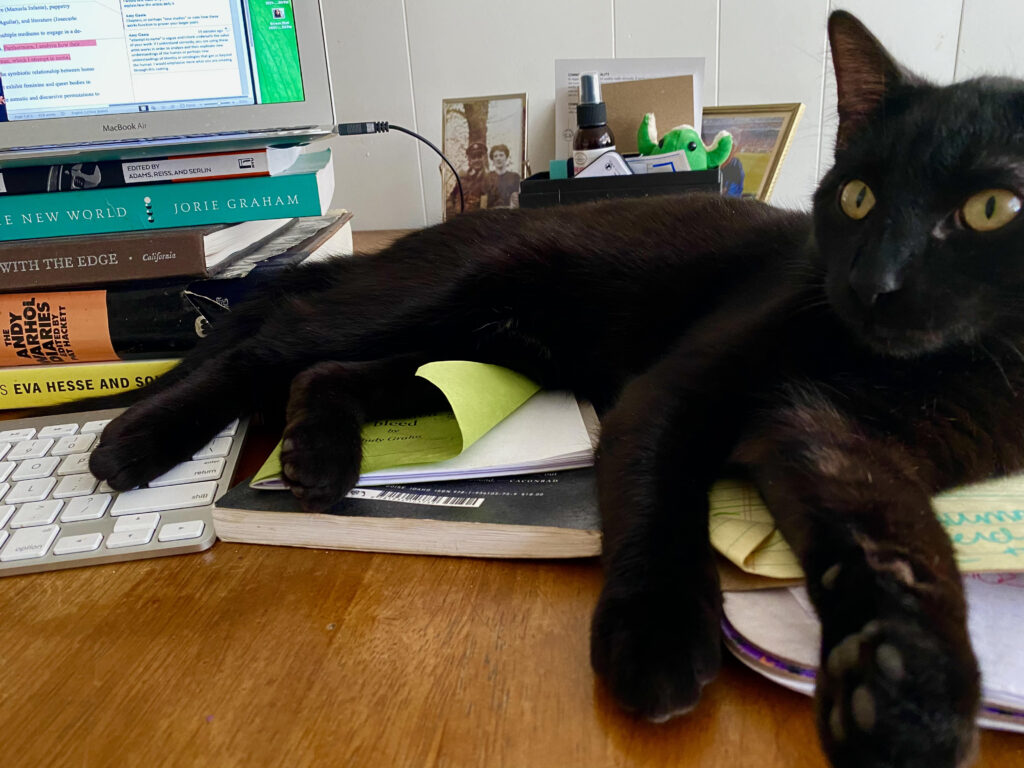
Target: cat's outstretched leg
column 898, row 682
column 167, row 427
column 655, row 636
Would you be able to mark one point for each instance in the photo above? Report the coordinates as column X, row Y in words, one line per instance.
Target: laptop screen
column 89, row 57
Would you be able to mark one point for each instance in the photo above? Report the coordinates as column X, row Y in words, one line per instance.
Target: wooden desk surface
column 263, row 656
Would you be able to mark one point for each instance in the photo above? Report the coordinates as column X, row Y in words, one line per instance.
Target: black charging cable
column 355, row 129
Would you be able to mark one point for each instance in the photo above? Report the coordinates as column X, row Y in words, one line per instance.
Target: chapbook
column 499, row 424
column 547, row 515
column 985, row 522
column 776, row 633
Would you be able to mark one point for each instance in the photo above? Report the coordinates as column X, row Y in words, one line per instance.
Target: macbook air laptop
column 136, row 78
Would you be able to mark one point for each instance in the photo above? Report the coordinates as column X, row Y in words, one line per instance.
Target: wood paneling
column 377, row 176
column 990, row 39
column 922, row 36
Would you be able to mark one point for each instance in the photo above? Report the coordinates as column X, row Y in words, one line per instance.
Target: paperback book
column 109, row 259
column 305, row 188
column 499, row 423
column 39, row 386
column 151, row 319
column 548, row 515
column 75, row 177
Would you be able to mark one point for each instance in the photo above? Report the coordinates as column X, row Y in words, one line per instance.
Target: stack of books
column 110, row 270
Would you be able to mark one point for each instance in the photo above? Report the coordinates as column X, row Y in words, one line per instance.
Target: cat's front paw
column 142, row 443
column 891, row 695
column 320, row 458
column 656, row 650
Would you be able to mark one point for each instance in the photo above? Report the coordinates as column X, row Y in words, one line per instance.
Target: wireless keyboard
column 55, row 514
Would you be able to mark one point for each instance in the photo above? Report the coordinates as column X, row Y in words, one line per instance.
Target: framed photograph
column 761, row 135
column 485, row 139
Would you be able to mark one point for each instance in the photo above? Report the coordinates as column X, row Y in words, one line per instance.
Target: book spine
column 51, row 385
column 101, row 260
column 75, row 177
column 94, row 326
column 159, row 206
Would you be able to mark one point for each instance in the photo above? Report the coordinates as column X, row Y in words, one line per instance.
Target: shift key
column 169, row 497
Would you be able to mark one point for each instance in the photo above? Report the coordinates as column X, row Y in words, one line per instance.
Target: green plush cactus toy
column 685, row 139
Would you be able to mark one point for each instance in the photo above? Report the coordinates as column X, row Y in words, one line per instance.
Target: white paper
column 567, row 87
column 781, row 623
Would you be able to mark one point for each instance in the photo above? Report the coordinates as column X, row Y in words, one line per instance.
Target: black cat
column 853, row 362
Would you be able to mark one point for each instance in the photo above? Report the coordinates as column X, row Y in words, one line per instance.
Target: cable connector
column 355, row 129
column 382, row 126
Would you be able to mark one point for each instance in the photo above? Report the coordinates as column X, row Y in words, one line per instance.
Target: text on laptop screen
column 97, row 57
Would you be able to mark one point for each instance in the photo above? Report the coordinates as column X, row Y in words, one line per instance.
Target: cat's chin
column 907, row 343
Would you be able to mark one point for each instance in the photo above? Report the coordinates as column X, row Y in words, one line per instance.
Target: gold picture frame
column 761, row 135
column 473, row 130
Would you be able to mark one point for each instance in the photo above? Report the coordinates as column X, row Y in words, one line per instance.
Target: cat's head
column 919, row 221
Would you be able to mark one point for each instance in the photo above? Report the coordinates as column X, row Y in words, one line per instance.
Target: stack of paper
column 499, row 424
column 544, row 434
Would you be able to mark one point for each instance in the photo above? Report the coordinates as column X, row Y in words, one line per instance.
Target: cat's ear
column 865, row 72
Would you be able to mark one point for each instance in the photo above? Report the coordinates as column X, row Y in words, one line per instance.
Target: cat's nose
column 869, row 287
column 879, row 271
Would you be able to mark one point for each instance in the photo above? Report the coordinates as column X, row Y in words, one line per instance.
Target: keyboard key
column 73, row 464
column 144, row 522
column 29, row 543
column 93, row 427
column 58, row 430
column 191, row 529
column 190, row 471
column 128, row 539
column 156, row 499
column 32, row 469
column 29, row 449
column 71, row 545
column 6, row 510
column 37, row 513
column 75, row 444
column 5, row 469
column 4, row 448
column 86, row 508
column 229, row 430
column 30, row 490
column 3, row 489
column 4, row 535
column 75, row 485
column 219, row 446
column 17, row 435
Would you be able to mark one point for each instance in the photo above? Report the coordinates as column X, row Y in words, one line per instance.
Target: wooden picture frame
column 761, row 135
column 474, row 131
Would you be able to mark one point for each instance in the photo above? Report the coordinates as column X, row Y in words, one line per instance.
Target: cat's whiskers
column 1013, row 347
column 999, row 365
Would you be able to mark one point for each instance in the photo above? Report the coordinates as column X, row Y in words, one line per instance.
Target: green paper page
column 480, row 396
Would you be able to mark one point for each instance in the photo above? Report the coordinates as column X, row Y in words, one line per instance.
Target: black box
column 540, row 190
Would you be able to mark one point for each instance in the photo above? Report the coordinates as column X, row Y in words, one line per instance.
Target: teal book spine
column 306, row 192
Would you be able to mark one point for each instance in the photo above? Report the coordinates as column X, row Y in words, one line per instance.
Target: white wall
column 396, row 60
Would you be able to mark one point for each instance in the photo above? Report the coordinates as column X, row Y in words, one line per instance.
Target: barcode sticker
column 373, row 494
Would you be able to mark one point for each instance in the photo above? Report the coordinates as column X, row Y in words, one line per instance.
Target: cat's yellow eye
column 856, row 199
column 991, row 209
